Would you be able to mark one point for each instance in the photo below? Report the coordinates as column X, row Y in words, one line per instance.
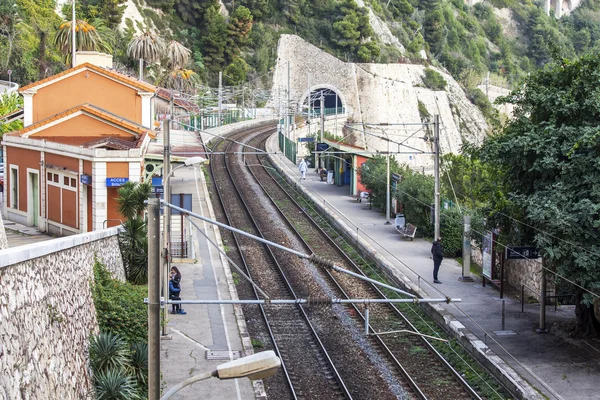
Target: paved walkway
column 208, row 335
column 560, row 369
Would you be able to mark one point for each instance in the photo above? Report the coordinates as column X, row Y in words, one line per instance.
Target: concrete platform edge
column 479, row 350
column 258, row 385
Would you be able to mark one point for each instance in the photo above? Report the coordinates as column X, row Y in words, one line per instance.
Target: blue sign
column 115, row 182
column 85, row 179
column 306, row 139
column 322, row 146
column 158, row 189
column 157, row 181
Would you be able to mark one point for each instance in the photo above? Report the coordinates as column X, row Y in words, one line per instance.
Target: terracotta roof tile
column 102, row 71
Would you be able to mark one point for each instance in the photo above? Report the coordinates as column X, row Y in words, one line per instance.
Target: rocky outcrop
column 375, row 94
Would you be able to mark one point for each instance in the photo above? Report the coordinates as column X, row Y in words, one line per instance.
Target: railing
column 177, row 249
column 7, row 87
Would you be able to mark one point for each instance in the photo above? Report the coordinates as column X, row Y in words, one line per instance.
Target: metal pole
column 542, row 328
column 436, row 144
column 220, row 96
column 181, row 215
column 166, row 214
column 322, row 116
column 73, row 45
column 287, row 110
column 503, row 315
column 153, row 299
column 466, row 269
column 387, row 189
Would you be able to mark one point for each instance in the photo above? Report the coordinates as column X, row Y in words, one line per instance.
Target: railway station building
column 86, row 132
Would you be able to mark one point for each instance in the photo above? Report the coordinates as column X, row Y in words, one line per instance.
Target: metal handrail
column 113, row 219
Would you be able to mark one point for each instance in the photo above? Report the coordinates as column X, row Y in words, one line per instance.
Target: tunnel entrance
column 333, row 102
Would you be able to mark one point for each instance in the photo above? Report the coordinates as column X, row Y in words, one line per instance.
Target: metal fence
column 181, row 249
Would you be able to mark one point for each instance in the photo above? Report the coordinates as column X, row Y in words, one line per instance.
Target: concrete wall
column 47, row 314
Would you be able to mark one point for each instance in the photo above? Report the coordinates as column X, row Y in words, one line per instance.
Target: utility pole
column 74, row 23
column 220, row 96
column 322, row 115
column 542, row 328
column 167, row 214
column 436, row 149
column 466, row 269
column 287, row 110
column 153, row 299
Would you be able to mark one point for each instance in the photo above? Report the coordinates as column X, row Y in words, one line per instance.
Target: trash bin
column 330, row 177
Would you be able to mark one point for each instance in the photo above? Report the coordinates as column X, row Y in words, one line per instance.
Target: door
column 33, row 208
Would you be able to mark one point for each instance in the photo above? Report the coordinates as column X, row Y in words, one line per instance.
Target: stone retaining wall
column 47, row 314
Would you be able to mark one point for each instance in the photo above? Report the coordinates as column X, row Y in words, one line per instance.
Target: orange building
column 86, row 131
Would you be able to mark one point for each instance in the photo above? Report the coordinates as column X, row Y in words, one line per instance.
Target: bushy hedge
column 120, row 306
column 434, row 80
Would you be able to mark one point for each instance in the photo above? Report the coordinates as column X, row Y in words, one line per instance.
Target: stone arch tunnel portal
column 333, row 101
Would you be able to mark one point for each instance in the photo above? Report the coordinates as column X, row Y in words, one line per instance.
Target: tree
column 415, row 193
column 131, row 198
column 147, row 47
column 177, row 55
column 549, row 154
column 87, row 38
column 238, row 31
column 215, row 40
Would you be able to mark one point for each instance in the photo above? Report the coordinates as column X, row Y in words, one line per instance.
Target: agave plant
column 139, row 363
column 115, row 385
column 108, row 351
column 146, row 47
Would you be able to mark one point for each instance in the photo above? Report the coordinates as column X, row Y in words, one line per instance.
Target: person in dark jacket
column 175, row 290
column 438, row 256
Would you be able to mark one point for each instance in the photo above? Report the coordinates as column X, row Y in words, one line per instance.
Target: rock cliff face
column 375, row 94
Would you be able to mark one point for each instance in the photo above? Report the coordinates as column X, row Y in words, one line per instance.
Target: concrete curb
column 518, row 387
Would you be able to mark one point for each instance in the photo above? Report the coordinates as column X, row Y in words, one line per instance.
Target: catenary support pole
column 153, row 299
column 436, row 149
column 542, row 328
column 74, row 36
column 220, row 97
column 466, row 267
column 166, row 214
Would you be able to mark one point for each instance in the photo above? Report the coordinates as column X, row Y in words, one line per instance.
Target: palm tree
column 133, row 243
column 177, row 55
column 181, row 80
column 146, row 47
column 87, row 38
column 131, row 198
column 115, row 385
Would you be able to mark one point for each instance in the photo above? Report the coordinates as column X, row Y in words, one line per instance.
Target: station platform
column 208, row 335
column 550, row 365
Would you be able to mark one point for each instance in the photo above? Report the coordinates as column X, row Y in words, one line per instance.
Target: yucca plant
column 133, row 242
column 115, row 385
column 181, row 80
column 108, row 352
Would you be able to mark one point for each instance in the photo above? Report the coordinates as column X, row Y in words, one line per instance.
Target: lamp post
column 168, row 173
column 387, row 186
column 255, row 366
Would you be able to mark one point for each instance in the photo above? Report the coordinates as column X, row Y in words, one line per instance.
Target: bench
column 407, row 230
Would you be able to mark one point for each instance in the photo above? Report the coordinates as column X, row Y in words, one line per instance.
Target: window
column 49, row 176
column 73, row 182
column 56, row 178
column 66, row 181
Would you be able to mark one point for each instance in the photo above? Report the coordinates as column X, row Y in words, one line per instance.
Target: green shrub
column 120, row 306
column 423, row 113
column 434, row 80
column 451, row 229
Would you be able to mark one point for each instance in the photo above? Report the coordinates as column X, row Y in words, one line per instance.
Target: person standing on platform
column 175, row 290
column 438, row 255
column 302, row 168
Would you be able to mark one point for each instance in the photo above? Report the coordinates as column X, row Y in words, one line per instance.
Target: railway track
column 307, row 367
column 408, row 361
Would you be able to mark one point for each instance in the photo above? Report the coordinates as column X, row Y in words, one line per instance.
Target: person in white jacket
column 302, row 167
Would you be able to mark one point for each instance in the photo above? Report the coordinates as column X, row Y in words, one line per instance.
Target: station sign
column 158, row 189
column 522, row 252
column 115, row 182
column 322, row 146
column 85, row 179
column 306, row 139
column 158, row 181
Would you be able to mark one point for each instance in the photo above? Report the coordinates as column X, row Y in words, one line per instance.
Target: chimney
column 94, row 57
